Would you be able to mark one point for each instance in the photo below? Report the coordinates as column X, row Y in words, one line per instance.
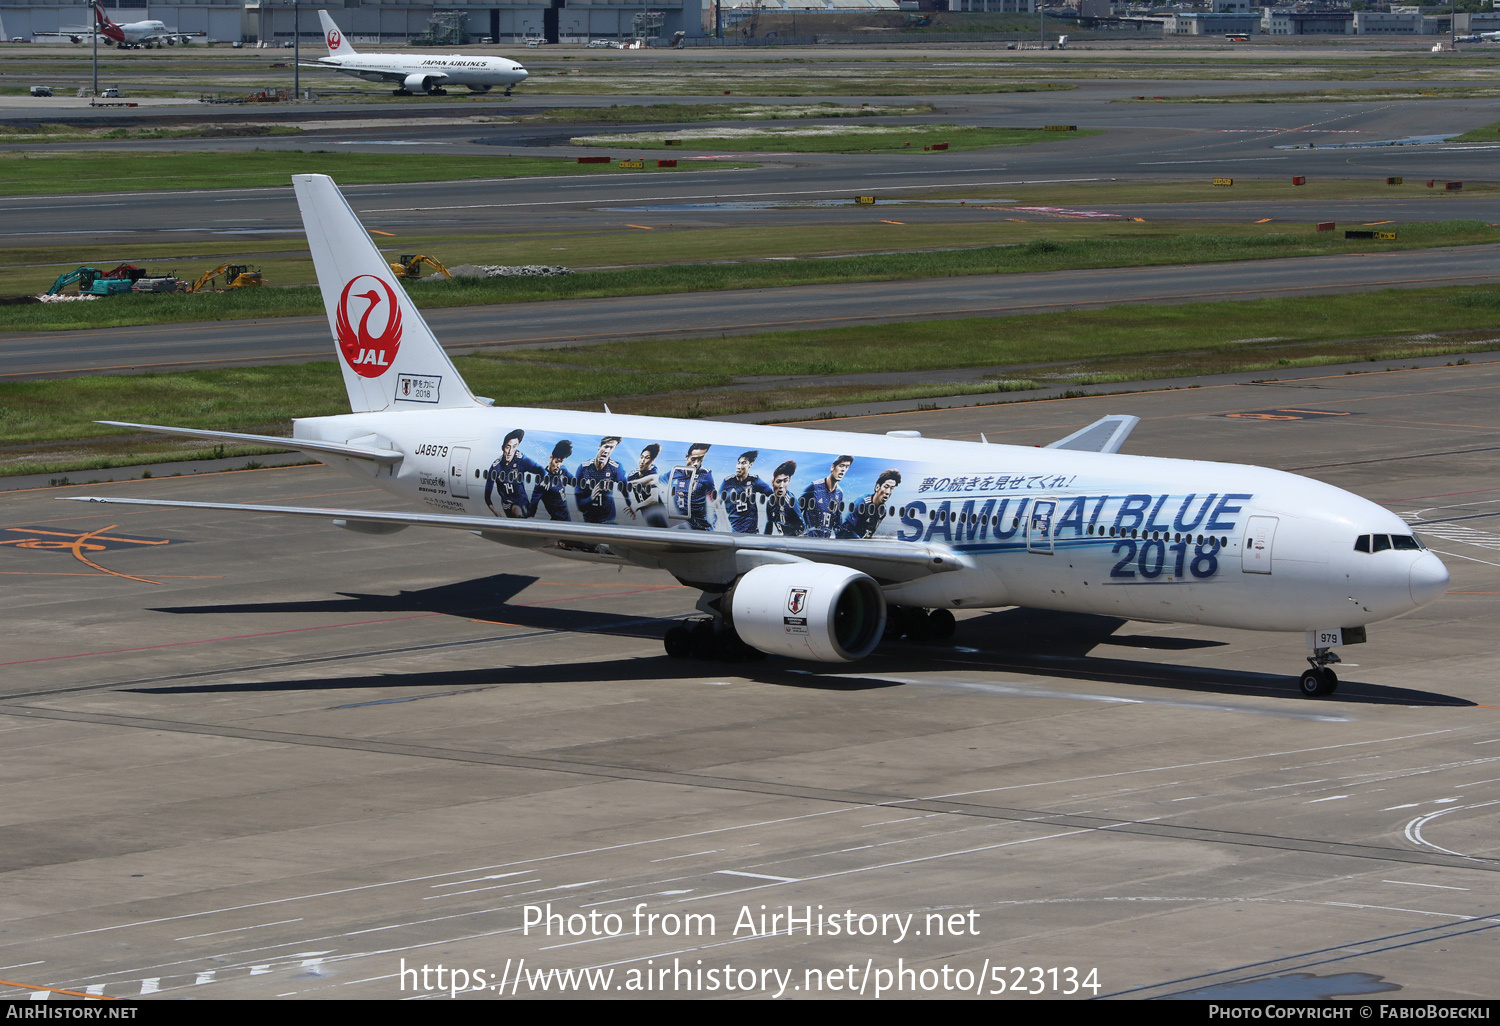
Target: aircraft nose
column 1429, row 578
column 523, row 73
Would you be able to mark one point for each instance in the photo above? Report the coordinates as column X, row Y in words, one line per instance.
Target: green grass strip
column 828, row 139
column 39, row 174
column 670, row 377
column 1038, row 255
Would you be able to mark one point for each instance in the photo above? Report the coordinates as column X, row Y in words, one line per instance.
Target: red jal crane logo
column 333, row 39
column 369, row 355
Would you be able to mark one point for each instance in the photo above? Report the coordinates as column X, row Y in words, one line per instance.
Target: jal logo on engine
column 333, row 40
column 370, row 348
column 796, row 600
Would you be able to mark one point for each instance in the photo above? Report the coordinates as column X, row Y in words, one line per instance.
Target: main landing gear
column 918, row 625
column 713, row 640
column 1320, row 680
column 708, row 641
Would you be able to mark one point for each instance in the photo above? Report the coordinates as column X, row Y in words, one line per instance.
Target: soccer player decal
column 692, row 489
column 823, row 501
column 597, row 481
column 551, row 483
column 740, row 492
column 643, row 496
column 781, row 509
column 505, row 484
column 865, row 515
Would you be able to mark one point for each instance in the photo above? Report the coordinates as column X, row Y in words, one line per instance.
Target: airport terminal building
column 453, row 22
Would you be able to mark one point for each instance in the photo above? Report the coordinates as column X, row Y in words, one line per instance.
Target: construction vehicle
column 93, row 282
column 411, row 266
column 236, row 276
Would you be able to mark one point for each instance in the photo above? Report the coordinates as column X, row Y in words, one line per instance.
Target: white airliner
column 813, row 544
column 418, row 72
column 137, row 34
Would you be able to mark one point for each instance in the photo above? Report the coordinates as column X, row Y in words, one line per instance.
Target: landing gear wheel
column 703, row 643
column 915, row 625
column 678, row 641
column 1318, row 682
column 941, row 624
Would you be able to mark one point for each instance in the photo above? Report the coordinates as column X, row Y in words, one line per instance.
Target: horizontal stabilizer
column 317, row 448
column 1104, row 435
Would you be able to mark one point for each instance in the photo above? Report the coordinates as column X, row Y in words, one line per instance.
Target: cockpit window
column 1382, row 542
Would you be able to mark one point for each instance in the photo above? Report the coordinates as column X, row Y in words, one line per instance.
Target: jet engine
column 818, row 611
column 417, row 82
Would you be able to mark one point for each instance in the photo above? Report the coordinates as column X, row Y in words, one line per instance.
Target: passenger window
column 1362, row 543
column 1404, row 541
column 1382, row 542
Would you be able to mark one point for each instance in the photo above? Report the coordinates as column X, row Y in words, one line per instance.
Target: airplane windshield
column 1383, row 542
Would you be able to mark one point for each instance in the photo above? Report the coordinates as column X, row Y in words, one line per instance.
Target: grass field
column 1203, row 190
column 49, row 427
column 38, row 174
column 1380, row 95
column 832, row 138
column 1023, row 247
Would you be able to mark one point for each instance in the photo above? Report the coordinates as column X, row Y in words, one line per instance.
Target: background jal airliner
column 814, row 544
column 418, row 73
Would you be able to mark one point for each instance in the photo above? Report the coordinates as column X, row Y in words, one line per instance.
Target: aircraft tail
column 107, row 28
column 390, row 358
column 338, row 46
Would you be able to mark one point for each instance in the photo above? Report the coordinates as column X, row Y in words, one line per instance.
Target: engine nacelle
column 416, row 82
column 816, row 611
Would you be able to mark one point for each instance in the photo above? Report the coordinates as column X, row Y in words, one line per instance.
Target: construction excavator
column 410, row 266
column 236, row 276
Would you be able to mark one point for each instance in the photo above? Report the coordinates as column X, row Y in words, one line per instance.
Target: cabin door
column 1255, row 557
column 1040, row 526
column 458, row 472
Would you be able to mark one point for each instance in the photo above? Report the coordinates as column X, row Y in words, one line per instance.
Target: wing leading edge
column 888, row 562
column 384, row 457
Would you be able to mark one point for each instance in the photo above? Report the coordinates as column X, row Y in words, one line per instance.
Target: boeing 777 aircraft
column 418, row 72
column 808, row 544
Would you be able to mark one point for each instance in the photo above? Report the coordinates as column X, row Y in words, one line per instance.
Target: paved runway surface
column 253, row 757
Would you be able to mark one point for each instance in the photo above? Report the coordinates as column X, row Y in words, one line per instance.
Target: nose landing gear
column 1320, row 680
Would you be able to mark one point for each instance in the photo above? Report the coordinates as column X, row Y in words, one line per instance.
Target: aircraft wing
column 317, row 448
column 887, row 561
column 1104, row 435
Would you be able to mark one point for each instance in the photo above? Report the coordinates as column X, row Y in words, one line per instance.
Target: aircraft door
column 458, row 472
column 1255, row 557
column 1039, row 526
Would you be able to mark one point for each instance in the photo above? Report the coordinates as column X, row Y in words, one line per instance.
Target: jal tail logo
column 369, row 355
column 796, row 600
column 334, row 39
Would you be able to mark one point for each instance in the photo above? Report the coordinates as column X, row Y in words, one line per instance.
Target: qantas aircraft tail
column 107, row 28
column 388, row 355
column 338, row 46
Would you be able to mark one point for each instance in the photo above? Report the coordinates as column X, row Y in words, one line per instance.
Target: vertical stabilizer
column 338, row 46
column 388, row 355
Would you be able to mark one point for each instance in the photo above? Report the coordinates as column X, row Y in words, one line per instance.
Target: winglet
column 1104, row 435
column 389, row 356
